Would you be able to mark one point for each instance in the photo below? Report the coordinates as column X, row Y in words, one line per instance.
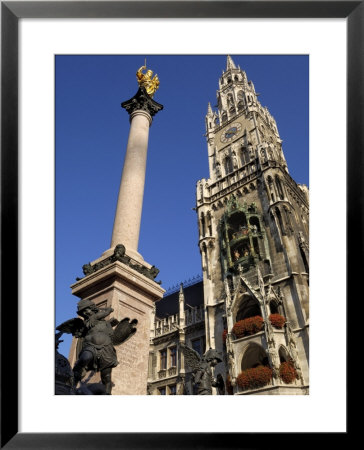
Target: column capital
column 142, row 102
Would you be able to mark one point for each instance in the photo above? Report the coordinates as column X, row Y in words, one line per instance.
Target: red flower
column 254, row 378
column 287, row 372
column 277, row 320
column 248, row 326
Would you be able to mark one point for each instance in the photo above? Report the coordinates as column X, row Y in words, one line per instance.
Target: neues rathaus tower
column 253, row 237
column 252, row 302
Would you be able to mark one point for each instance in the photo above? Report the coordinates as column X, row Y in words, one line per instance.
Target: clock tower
column 253, row 239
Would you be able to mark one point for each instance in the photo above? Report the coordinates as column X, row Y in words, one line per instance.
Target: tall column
column 130, row 201
column 121, row 279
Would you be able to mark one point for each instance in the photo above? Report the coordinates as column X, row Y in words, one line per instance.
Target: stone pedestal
column 131, row 294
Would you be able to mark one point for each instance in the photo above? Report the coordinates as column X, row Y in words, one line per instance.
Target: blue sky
column 91, row 136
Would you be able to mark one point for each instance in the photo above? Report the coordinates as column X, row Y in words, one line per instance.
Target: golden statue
column 145, row 79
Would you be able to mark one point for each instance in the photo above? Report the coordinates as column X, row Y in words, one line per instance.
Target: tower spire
column 230, row 63
column 209, row 110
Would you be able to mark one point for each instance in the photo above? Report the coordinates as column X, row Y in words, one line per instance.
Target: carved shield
column 124, row 330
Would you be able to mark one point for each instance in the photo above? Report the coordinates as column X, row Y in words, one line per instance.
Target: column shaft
column 130, row 201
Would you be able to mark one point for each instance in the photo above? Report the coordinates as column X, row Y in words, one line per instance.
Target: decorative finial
column 145, row 79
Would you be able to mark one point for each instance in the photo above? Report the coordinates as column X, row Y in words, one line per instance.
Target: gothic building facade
column 253, row 302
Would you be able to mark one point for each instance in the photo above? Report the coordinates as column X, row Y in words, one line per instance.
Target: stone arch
column 283, row 354
column 279, row 187
column 274, row 306
column 254, row 355
column 247, row 306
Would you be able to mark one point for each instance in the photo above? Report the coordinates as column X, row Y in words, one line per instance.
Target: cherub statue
column 98, row 340
column 145, row 79
column 201, row 368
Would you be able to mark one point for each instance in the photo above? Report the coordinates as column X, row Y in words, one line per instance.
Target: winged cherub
column 145, row 79
column 201, row 368
column 98, row 340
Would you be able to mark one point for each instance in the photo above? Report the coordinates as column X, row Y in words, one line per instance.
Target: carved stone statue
column 98, row 340
column 145, row 79
column 64, row 377
column 201, row 368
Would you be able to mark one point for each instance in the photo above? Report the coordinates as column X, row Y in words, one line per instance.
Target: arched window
column 254, row 356
column 283, row 355
column 273, row 306
column 240, row 105
column 271, row 188
column 228, row 165
column 279, row 188
column 237, row 225
column 255, row 224
column 280, row 221
column 224, row 116
column 209, row 226
column 287, row 215
column 249, row 307
column 203, row 227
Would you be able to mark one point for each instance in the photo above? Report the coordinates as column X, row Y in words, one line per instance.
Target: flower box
column 287, row 372
column 254, row 378
column 277, row 320
column 247, row 327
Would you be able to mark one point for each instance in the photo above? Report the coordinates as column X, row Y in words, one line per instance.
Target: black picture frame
column 11, row 12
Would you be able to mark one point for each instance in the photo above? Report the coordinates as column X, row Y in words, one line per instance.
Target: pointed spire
column 181, row 306
column 230, row 63
column 181, row 294
column 209, row 110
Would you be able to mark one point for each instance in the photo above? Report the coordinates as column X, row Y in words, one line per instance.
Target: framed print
column 31, row 30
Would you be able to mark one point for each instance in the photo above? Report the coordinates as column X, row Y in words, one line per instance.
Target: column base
column 128, row 251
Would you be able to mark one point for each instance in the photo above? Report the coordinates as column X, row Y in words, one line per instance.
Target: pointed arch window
column 271, row 188
column 228, row 165
column 280, row 221
column 279, row 187
column 203, row 227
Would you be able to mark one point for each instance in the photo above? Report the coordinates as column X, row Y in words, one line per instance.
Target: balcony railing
column 172, row 371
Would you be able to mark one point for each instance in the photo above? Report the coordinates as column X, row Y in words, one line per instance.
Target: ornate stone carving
column 142, row 102
column 119, row 255
column 292, row 345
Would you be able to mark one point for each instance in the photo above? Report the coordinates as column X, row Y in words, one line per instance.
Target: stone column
column 130, row 201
